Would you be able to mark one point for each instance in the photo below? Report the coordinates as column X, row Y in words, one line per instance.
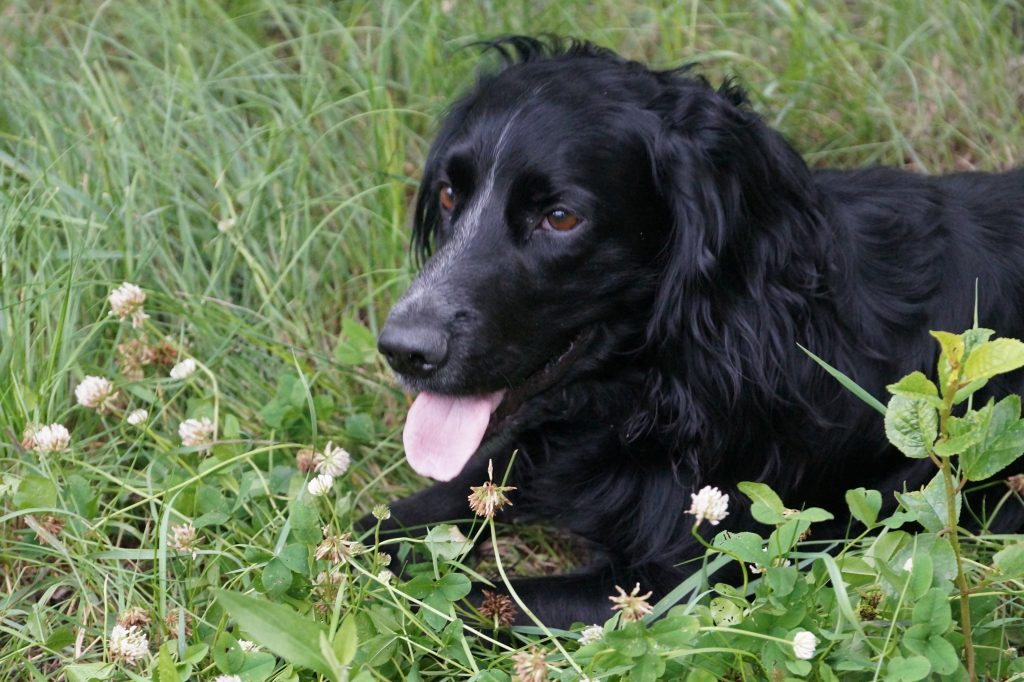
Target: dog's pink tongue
column 442, row 432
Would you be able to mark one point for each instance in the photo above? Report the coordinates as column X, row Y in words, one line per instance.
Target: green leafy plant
column 968, row 447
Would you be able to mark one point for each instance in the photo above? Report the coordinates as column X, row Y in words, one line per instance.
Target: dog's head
column 569, row 192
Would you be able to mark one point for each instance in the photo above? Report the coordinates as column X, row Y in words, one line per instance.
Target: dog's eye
column 447, row 197
column 561, row 220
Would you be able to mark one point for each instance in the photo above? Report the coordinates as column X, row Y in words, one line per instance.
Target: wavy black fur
column 707, row 251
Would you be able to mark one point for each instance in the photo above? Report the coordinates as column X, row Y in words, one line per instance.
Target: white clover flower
column 51, row 438
column 95, row 392
column 128, row 645
column 184, row 369
column 591, row 634
column 247, row 646
column 333, row 462
column 320, row 485
column 227, row 678
column 136, row 417
column 127, row 300
column 804, row 644
column 908, row 565
column 385, row 576
column 185, row 539
column 709, row 503
column 198, row 432
column 225, row 224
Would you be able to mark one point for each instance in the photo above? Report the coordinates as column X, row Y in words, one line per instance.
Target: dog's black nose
column 413, row 348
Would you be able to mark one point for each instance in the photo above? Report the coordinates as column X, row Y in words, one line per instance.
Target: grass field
column 250, row 164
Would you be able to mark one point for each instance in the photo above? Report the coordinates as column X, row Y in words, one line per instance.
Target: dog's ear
column 733, row 186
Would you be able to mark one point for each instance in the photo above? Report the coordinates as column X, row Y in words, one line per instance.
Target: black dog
column 624, row 262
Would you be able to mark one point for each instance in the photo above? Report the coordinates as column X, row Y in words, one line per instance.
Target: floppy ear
column 740, row 198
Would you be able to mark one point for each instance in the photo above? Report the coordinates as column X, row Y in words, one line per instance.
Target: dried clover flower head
column 135, row 615
column 338, row 548
column 334, row 461
column 197, row 432
column 325, row 588
column 128, row 645
column 498, row 609
column 185, row 539
column 51, row 438
column 127, row 300
column 96, row 393
column 171, row 620
column 51, row 525
column 709, row 503
column 529, row 665
column 488, row 498
column 633, row 605
column 28, row 437
column 304, row 459
column 1016, row 483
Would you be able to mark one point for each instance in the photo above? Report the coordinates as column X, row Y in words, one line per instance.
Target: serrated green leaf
column 929, row 506
column 963, row 433
column 864, row 505
column 911, row 425
column 767, row 507
column 1010, row 561
column 1001, row 441
column 967, row 391
column 952, row 353
column 993, row 358
column 915, row 386
column 278, row 628
column 975, row 337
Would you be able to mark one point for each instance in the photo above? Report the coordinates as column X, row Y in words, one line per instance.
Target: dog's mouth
column 443, row 431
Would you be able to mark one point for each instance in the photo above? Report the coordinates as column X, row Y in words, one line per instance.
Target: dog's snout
column 413, row 348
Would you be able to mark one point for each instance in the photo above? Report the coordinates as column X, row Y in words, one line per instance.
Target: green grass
column 130, row 130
